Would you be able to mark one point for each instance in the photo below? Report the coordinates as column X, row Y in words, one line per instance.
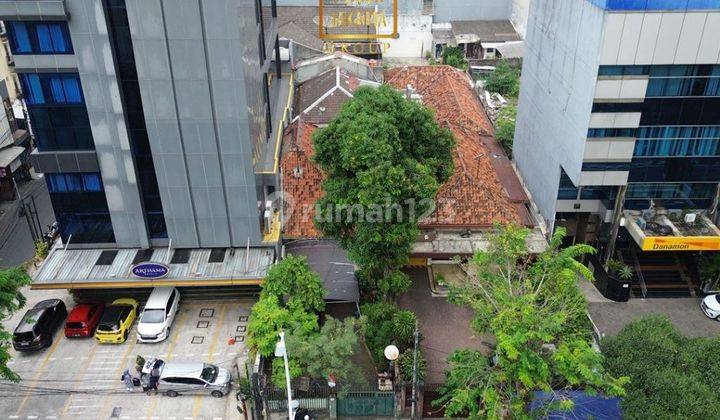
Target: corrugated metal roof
column 76, row 268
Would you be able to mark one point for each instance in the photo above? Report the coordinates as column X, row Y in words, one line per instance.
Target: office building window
column 623, row 70
column 567, row 190
column 617, row 107
column 683, row 86
column 52, row 88
column 611, row 132
column 74, row 182
column 80, row 207
column 686, row 147
column 671, row 190
column 39, row 37
column 57, row 111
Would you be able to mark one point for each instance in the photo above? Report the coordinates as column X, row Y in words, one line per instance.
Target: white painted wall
column 558, row 85
column 415, row 37
column 519, row 11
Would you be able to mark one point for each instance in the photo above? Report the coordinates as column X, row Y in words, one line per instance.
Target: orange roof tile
column 483, row 190
column 302, row 182
column 475, row 195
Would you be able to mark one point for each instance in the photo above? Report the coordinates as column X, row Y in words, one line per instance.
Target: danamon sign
column 358, row 13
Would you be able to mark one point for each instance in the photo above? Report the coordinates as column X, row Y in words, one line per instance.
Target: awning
column 8, row 156
column 673, row 230
column 331, row 262
column 112, row 268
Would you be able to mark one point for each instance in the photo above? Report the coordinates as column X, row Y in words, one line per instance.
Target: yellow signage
column 356, row 13
column 356, row 48
column 681, row 243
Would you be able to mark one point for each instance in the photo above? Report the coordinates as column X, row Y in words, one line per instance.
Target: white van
column 158, row 315
column 178, row 378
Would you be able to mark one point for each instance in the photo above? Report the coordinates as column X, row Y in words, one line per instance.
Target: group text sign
column 341, row 19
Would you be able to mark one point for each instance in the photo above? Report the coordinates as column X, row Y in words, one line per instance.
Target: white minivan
column 158, row 315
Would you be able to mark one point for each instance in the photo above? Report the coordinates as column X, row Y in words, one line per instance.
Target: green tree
column 453, row 56
column 671, row 376
column 295, row 284
column 534, row 309
column 268, row 317
column 11, row 300
column 384, row 158
column 291, row 294
column 505, row 80
column 505, row 127
column 320, row 354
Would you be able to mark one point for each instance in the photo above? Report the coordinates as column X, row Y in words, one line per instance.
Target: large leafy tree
column 290, row 297
column 384, row 158
column 323, row 353
column 11, row 300
column 671, row 376
column 534, row 309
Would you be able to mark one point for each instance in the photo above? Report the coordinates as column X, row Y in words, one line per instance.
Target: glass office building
column 619, row 124
column 148, row 117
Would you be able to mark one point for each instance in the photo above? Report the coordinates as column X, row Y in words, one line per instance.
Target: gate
column 372, row 403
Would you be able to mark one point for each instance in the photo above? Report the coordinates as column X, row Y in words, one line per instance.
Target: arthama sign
column 681, row 243
column 150, row 270
column 347, row 14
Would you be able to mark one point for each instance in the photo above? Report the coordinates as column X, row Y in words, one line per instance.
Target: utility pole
column 413, row 410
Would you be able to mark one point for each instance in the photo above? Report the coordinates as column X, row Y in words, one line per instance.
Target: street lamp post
column 281, row 350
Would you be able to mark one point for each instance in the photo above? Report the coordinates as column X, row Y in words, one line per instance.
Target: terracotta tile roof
column 302, row 181
column 484, row 188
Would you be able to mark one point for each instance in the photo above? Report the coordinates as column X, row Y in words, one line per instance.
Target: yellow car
column 117, row 319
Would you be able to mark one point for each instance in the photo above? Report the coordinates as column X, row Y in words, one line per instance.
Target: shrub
column 505, row 127
column 453, row 56
column 505, row 80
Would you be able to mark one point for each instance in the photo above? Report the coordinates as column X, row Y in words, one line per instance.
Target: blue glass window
column 567, row 190
column 623, row 70
column 671, row 190
column 686, row 147
column 74, row 182
column 52, row 88
column 39, row 37
column 611, row 132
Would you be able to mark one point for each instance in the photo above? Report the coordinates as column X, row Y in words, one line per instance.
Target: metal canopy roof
column 78, row 269
column 331, row 262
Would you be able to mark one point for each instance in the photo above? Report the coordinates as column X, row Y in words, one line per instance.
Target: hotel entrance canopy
column 672, row 230
column 112, row 268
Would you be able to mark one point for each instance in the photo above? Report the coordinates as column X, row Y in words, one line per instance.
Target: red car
column 83, row 319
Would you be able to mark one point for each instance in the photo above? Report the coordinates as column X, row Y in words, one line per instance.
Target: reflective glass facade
column 39, row 37
column 80, row 207
column 57, row 111
column 135, row 118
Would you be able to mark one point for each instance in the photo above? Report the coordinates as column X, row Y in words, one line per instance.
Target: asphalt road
column 18, row 245
column 80, row 379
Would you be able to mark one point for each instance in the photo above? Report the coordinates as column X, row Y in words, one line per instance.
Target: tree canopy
column 11, row 300
column 535, row 311
column 384, row 158
column 671, row 376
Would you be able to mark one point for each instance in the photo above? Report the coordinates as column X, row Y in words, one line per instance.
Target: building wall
column 191, row 72
column 448, row 10
column 93, row 51
column 519, row 11
column 558, row 84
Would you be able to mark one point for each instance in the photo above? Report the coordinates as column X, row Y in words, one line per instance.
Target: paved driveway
column 80, row 379
column 444, row 327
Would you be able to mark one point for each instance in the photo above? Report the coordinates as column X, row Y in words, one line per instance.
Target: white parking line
column 32, row 417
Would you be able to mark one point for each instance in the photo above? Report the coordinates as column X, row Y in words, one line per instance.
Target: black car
column 35, row 330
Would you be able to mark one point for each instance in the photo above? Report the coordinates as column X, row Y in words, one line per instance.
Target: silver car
column 193, row 378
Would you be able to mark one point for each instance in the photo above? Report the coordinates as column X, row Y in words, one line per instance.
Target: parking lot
column 79, row 378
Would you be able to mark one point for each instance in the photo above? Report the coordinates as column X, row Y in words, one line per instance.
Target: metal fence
column 347, row 402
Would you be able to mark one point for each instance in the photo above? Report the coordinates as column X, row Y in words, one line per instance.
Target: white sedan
column 711, row 306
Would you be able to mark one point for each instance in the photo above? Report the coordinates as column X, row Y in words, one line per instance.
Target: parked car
column 36, row 328
column 193, row 378
column 158, row 315
column 83, row 320
column 711, row 306
column 116, row 321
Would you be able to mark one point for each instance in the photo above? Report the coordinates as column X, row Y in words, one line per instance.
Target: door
column 171, row 308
